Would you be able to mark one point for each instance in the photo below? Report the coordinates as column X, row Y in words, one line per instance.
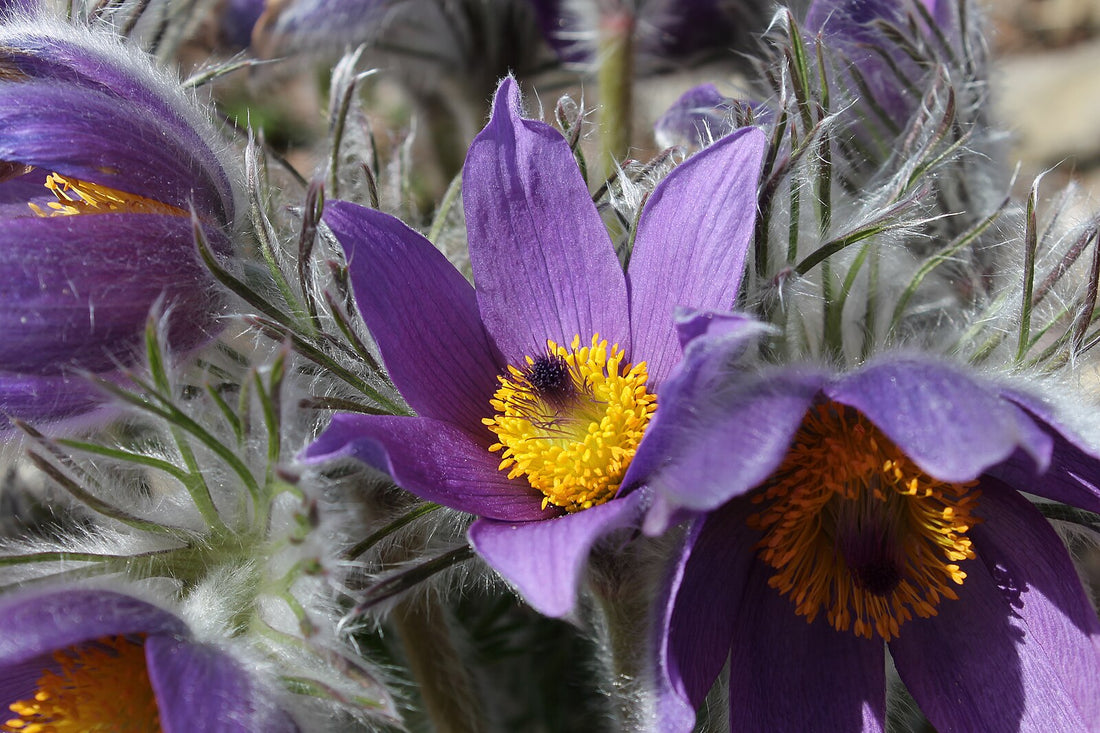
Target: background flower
column 102, row 160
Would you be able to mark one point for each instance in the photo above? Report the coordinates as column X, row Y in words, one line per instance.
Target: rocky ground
column 1047, row 85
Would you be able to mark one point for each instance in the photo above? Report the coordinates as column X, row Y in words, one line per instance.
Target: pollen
column 101, row 687
column 570, row 421
column 81, row 197
column 854, row 530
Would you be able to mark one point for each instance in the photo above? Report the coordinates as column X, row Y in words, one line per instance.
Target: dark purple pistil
column 550, row 378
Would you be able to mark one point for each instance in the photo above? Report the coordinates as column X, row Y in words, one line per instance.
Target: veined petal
column 201, row 688
column 77, row 290
column 102, row 139
column 692, row 239
column 423, row 315
column 950, row 424
column 1019, row 648
column 544, row 560
column 699, row 607
column 432, row 459
column 543, row 263
column 790, row 675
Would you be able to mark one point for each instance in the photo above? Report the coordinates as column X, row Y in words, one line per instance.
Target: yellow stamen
column 853, row 527
column 571, row 420
column 81, row 197
column 102, row 687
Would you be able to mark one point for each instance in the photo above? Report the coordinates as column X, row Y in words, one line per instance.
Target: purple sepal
column 432, row 459
column 838, row 677
column 436, row 350
column 543, row 262
column 692, row 240
column 199, row 687
column 1019, row 648
column 544, row 560
column 697, row 614
column 79, row 289
column 948, row 422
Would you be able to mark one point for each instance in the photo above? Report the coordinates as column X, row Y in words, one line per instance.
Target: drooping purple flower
column 102, row 160
column 533, row 392
column 838, row 516
column 104, row 660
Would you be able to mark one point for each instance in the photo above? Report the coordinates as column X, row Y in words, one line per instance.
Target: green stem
column 615, row 79
column 446, row 690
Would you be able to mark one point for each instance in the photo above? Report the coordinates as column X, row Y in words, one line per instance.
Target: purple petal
column 38, row 623
column 692, row 239
column 140, row 155
column 78, row 290
column 544, row 560
column 432, row 459
column 201, row 688
column 1020, row 648
column 423, row 315
column 1074, row 466
column 949, row 423
column 790, row 675
column 77, row 60
column 543, row 262
column 722, row 440
column 699, row 606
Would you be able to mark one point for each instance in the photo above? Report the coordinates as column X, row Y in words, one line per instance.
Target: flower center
column 100, row 687
column 81, row 197
column 853, row 527
column 570, row 421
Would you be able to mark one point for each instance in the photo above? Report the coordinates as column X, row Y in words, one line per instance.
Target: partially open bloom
column 98, row 660
column 102, row 160
column 533, row 392
column 841, row 515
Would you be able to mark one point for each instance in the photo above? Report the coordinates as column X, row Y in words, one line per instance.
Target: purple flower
column 101, row 162
column 836, row 513
column 101, row 660
column 533, row 392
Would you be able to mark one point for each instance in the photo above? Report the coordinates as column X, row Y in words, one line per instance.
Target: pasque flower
column 534, row 391
column 92, row 660
column 102, row 160
column 840, row 515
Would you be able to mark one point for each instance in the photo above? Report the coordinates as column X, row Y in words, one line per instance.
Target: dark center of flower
column 570, row 421
column 854, row 529
column 99, row 687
